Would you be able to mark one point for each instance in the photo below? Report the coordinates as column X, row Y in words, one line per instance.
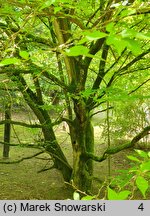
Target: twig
column 100, row 111
column 138, row 87
column 22, row 159
column 75, row 188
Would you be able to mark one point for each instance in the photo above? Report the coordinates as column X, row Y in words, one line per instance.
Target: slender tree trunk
column 7, row 131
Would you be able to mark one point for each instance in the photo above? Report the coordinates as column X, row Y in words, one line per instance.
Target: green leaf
column 76, row 196
column 47, row 4
column 94, row 35
column 46, row 107
column 134, row 46
column 133, row 158
column 9, row 61
column 142, row 36
column 57, row 9
column 110, row 27
column 148, row 154
column 126, row 39
column 82, row 41
column 131, row 33
column 123, row 178
column 142, row 185
column 128, row 33
column 124, row 194
column 77, row 50
column 145, row 166
column 87, row 93
column 24, row 55
column 133, row 169
column 88, row 198
column 112, row 195
column 117, row 94
column 127, row 12
column 118, row 43
column 141, row 153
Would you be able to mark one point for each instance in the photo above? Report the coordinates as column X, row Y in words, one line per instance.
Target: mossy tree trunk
column 52, row 146
column 83, row 142
column 81, row 130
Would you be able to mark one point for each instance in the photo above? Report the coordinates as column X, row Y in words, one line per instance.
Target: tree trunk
column 52, row 146
column 81, row 132
column 7, row 131
column 84, row 142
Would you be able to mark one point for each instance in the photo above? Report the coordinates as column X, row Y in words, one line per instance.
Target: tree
column 68, row 43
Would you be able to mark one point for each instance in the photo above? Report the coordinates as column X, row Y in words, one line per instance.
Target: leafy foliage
column 112, row 195
column 135, row 178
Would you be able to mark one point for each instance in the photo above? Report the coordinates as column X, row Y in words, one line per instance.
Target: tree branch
column 20, row 123
column 139, row 57
column 134, row 70
column 100, row 75
column 141, row 11
column 102, row 64
column 119, row 148
column 22, row 145
column 42, row 71
column 126, row 67
column 100, row 111
column 138, row 87
column 22, row 159
column 36, row 39
column 29, row 36
column 94, row 49
column 34, row 125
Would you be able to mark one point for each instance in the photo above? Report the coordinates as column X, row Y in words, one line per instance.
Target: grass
column 22, row 181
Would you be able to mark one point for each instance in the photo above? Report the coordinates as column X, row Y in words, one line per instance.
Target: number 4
column 141, row 207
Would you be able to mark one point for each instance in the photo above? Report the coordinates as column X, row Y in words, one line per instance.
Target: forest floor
column 23, row 181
